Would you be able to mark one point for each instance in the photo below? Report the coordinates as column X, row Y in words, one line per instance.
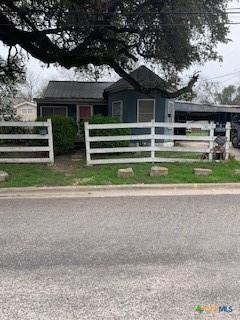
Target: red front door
column 85, row 112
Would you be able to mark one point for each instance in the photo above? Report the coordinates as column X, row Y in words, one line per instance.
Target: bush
column 64, row 133
column 99, row 119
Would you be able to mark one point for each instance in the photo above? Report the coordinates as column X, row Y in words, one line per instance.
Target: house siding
column 100, row 109
column 72, row 108
column 130, row 98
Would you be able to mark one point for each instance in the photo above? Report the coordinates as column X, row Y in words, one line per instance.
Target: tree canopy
column 173, row 34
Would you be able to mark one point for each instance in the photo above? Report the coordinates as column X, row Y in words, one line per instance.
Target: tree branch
column 150, row 91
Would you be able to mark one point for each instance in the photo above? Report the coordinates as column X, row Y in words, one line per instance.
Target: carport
column 189, row 111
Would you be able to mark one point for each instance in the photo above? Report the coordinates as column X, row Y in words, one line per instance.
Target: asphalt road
column 119, row 258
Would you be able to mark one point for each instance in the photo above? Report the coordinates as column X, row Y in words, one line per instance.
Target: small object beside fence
column 44, row 133
column 158, row 171
column 3, row 176
column 202, row 172
column 156, row 142
column 125, row 173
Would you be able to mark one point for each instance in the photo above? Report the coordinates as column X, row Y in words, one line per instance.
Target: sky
column 212, row 71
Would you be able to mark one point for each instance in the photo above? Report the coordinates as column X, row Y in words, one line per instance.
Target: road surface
column 119, row 258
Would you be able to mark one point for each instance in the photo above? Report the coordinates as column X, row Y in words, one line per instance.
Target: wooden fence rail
column 27, row 149
column 153, row 139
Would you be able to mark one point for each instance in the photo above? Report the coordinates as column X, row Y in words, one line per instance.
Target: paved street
column 119, row 258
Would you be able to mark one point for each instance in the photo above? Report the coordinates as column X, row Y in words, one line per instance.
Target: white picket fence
column 154, row 145
column 27, row 136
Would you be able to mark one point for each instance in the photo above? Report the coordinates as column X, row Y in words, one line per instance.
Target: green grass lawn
column 199, row 134
column 43, row 175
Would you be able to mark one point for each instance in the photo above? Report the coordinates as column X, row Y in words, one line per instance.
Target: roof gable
column 147, row 78
column 25, row 103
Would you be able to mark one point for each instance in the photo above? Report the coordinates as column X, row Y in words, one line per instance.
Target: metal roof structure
column 75, row 90
column 144, row 76
column 186, row 106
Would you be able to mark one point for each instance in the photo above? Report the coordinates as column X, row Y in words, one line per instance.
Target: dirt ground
column 234, row 153
column 69, row 162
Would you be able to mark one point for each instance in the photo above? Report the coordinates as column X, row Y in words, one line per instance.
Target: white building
column 26, row 111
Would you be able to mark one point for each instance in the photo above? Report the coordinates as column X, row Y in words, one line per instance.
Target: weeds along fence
column 19, row 140
column 151, row 138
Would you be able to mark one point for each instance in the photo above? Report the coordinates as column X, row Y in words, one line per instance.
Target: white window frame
column 154, row 107
column 121, row 108
column 41, row 108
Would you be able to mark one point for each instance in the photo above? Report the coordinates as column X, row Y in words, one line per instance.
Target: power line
column 224, row 75
column 142, row 11
column 149, row 13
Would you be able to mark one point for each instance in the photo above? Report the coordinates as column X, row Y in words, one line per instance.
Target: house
column 80, row 100
column 26, row 111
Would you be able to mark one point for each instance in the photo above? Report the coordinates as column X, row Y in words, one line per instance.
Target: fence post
column 228, row 137
column 87, row 143
column 153, row 140
column 211, row 142
column 50, row 140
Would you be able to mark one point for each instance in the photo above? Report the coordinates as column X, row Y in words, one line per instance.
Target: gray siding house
column 80, row 100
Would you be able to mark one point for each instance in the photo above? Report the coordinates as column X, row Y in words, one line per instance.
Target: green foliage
column 172, row 34
column 64, row 133
column 99, row 119
column 230, row 95
column 212, row 93
column 11, row 74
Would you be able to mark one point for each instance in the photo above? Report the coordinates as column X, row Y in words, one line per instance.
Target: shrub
column 64, row 133
column 99, row 119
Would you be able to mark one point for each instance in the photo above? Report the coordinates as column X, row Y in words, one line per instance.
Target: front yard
column 66, row 172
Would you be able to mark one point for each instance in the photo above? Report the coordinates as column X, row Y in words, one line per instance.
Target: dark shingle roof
column 147, row 78
column 76, row 90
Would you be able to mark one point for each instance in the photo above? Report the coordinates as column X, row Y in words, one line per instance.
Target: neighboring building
column 26, row 111
column 80, row 100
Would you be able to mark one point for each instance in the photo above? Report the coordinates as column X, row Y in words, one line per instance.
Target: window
column 146, row 110
column 54, row 111
column 27, row 111
column 117, row 110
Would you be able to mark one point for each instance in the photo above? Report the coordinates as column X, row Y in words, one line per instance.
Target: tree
column 117, row 33
column 7, row 112
column 229, row 95
column 32, row 87
column 11, row 73
column 90, row 73
column 206, row 92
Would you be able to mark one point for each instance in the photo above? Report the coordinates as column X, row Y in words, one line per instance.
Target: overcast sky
column 230, row 64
